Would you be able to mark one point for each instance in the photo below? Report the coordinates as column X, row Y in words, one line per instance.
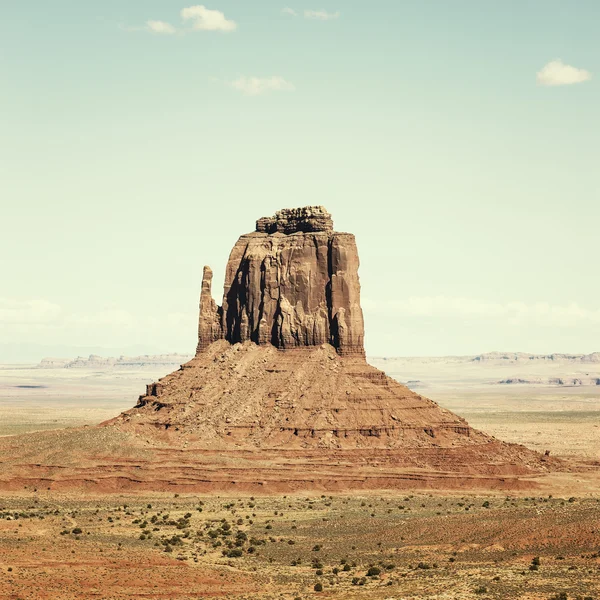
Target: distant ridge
column 501, row 357
column 94, row 361
column 594, row 357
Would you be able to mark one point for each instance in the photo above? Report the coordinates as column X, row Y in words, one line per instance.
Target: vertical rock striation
column 209, row 322
column 291, row 283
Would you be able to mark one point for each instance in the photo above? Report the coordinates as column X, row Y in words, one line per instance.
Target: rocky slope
column 246, row 395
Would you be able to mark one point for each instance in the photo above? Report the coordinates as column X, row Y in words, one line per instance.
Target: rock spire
column 291, row 283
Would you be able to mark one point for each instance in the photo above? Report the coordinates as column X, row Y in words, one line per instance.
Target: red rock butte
column 279, row 396
column 291, row 283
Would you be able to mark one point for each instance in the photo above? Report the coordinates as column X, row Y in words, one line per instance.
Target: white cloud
column 449, row 307
column 27, row 312
column 205, row 19
column 39, row 321
column 289, row 11
column 253, row 86
column 109, row 317
column 556, row 72
column 321, row 15
column 160, row 27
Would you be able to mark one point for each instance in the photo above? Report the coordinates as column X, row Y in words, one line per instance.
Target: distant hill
column 99, row 362
column 594, row 357
column 500, row 358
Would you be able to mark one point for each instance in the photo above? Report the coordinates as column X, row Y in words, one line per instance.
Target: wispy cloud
column 27, row 312
column 205, row 19
column 321, row 15
column 199, row 18
column 556, row 72
column 289, row 11
column 161, row 27
column 542, row 313
column 253, row 86
column 38, row 320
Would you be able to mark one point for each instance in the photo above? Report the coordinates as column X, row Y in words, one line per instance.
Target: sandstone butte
column 279, row 396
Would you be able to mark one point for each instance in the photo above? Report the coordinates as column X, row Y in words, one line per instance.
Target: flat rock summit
column 279, row 395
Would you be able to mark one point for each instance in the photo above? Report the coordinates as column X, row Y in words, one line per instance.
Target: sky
column 458, row 140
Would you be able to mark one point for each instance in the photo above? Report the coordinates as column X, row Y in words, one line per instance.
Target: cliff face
column 291, row 283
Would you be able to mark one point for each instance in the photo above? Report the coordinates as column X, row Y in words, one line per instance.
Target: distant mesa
column 95, row 362
column 523, row 357
column 556, row 381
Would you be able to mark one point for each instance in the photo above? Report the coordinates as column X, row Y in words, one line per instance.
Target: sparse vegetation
column 345, row 552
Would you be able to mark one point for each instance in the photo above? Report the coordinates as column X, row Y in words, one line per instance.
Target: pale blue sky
column 130, row 158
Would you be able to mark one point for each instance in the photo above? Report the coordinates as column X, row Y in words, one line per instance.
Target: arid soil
column 428, row 544
column 374, row 546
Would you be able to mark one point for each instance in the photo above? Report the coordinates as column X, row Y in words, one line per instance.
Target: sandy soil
column 417, row 546
column 426, row 545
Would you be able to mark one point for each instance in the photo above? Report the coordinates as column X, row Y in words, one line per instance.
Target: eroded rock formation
column 279, row 396
column 291, row 283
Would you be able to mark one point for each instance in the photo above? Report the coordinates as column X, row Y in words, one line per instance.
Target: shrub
column 373, row 572
column 318, row 587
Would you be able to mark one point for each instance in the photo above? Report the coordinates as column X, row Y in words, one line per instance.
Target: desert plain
column 534, row 544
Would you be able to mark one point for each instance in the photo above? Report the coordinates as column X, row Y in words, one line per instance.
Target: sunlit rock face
column 291, row 283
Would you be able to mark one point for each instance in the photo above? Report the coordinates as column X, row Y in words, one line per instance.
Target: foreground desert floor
column 55, row 545
column 387, row 547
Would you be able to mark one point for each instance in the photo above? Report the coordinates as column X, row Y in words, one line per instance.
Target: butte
column 279, row 396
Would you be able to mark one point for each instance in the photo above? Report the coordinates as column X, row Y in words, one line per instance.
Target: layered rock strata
column 291, row 283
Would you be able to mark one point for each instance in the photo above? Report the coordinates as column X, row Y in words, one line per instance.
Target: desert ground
column 374, row 546
column 400, row 545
